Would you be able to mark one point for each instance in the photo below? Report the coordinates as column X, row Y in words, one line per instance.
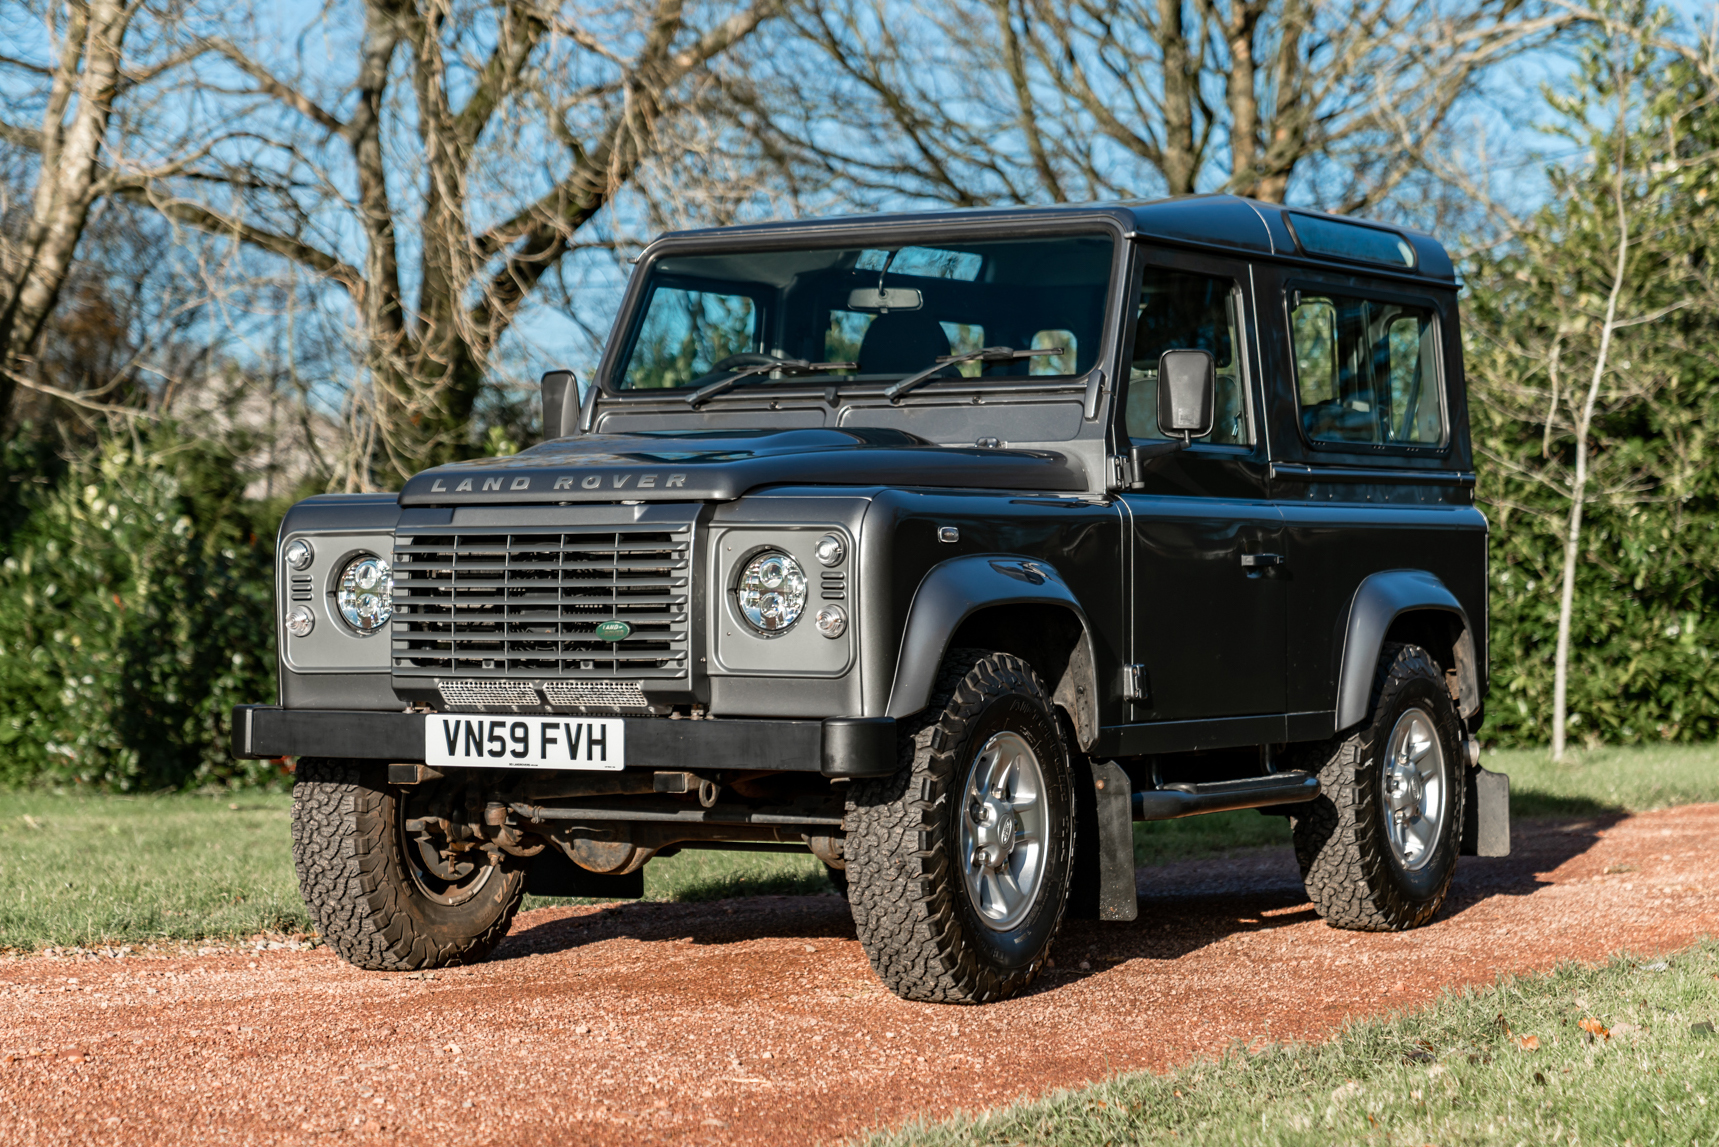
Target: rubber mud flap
column 1486, row 816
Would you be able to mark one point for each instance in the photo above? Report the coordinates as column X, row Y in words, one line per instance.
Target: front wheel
column 958, row 865
column 386, row 899
column 1378, row 846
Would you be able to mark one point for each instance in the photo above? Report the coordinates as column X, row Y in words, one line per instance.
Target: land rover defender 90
column 944, row 546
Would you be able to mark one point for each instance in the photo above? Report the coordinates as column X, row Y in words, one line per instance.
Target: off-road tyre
column 353, row 872
column 907, row 891
column 1347, row 864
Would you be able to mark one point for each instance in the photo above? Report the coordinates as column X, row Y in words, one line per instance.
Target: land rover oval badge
column 613, row 630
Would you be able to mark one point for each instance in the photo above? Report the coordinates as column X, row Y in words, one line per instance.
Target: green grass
column 1454, row 1073
column 86, row 871
column 80, row 870
column 1633, row 778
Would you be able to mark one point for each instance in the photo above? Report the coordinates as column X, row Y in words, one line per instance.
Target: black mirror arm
column 1139, row 456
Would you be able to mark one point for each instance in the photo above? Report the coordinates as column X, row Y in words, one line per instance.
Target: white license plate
column 525, row 742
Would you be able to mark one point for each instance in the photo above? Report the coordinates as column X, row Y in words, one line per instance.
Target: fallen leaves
column 1595, row 1028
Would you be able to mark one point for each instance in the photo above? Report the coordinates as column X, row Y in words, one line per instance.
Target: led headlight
column 365, row 597
column 772, row 592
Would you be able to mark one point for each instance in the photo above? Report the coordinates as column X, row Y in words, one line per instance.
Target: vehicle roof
column 1225, row 222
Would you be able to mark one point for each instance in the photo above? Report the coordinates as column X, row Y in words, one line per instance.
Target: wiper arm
column 988, row 354
column 792, row 365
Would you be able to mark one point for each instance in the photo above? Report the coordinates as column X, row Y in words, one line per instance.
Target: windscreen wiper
column 791, row 365
column 988, row 354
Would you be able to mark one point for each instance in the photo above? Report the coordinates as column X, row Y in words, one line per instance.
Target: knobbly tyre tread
column 352, row 878
column 1339, row 839
column 901, row 888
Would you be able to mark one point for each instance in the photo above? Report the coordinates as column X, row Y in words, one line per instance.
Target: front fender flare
column 1380, row 599
column 952, row 592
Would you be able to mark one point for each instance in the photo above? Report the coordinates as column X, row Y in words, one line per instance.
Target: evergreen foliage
column 1645, row 627
column 136, row 608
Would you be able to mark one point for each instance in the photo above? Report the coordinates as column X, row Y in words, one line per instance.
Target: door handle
column 1260, row 561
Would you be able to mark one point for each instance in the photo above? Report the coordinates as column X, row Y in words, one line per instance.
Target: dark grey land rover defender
column 944, row 546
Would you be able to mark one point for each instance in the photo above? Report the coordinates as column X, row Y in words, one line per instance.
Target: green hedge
column 135, row 611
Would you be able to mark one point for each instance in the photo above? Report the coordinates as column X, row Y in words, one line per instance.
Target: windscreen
column 871, row 313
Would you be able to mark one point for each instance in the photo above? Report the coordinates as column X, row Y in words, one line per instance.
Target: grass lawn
column 1505, row 1065
column 78, row 870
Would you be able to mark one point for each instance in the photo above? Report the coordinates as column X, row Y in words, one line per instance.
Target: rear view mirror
column 1187, row 393
column 885, row 299
column 560, row 391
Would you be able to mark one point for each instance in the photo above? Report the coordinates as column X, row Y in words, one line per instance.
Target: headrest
column 901, row 342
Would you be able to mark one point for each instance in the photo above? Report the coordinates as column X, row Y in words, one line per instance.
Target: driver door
column 1208, row 593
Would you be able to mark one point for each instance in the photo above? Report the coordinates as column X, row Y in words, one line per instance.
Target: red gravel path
column 758, row 1021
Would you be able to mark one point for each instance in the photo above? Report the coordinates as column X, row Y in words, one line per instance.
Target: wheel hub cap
column 1415, row 789
column 1002, row 830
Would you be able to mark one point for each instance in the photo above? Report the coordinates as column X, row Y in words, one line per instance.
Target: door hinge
column 1121, row 476
column 1136, row 685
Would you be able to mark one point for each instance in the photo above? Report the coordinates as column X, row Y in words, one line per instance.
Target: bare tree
column 434, row 164
column 1025, row 101
column 93, row 55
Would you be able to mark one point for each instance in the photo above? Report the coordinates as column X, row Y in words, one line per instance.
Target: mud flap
column 1486, row 814
column 1114, row 799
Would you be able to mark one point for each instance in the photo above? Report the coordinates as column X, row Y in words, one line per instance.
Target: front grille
column 488, row 605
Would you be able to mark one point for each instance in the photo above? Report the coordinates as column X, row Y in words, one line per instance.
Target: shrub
column 135, row 611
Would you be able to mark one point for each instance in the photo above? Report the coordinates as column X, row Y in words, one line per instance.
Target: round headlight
column 772, row 592
column 366, row 594
column 298, row 554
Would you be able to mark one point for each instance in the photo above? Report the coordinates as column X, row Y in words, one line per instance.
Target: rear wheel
column 383, row 898
column 958, row 865
column 1378, row 847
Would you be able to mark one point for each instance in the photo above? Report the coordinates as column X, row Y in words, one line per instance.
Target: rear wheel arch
column 1406, row 607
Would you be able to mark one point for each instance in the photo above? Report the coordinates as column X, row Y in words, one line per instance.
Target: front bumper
column 835, row 747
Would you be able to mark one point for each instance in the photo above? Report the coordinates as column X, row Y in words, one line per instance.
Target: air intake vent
column 611, row 695
column 481, row 694
column 495, row 605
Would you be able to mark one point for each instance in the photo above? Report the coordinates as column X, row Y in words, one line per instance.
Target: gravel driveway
column 758, row 1021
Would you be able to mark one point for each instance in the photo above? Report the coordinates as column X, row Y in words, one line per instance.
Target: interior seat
column 901, row 342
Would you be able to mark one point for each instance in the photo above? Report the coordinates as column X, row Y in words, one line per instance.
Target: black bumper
column 836, row 747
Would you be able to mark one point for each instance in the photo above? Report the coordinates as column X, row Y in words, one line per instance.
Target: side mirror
column 1187, row 393
column 560, row 390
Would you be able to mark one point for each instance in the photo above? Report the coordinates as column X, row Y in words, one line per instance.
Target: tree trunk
column 1579, row 483
column 67, row 184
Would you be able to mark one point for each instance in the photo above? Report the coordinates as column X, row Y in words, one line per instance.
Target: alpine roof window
column 1322, row 235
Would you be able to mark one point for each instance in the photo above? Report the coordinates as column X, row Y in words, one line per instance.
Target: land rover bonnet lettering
column 564, row 482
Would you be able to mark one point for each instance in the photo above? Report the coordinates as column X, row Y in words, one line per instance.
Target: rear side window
column 1366, row 371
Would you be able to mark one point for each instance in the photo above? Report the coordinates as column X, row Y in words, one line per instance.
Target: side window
column 1366, row 371
column 685, row 333
column 1184, row 311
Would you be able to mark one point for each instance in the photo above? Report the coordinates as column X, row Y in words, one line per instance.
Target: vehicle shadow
column 1189, row 905
column 1184, row 906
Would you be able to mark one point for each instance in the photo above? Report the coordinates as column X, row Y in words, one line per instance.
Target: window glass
column 1183, row 311
column 1366, row 371
column 892, row 311
column 686, row 332
column 1054, row 363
